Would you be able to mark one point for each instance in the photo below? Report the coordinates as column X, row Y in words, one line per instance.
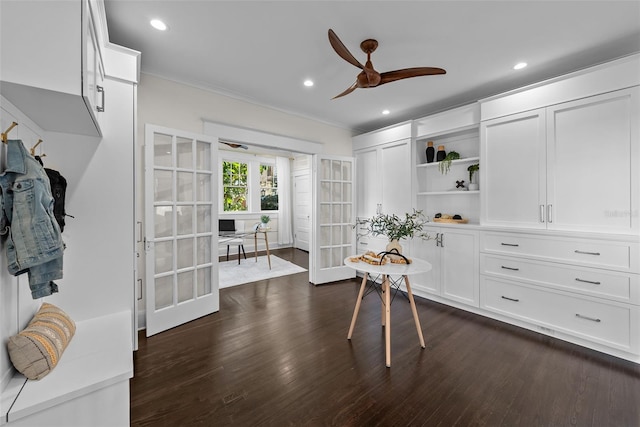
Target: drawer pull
column 511, row 299
column 510, row 244
column 587, row 253
column 512, row 268
column 587, row 318
column 365, row 244
column 586, row 281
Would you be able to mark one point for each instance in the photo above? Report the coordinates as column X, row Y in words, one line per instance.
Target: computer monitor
column 226, row 226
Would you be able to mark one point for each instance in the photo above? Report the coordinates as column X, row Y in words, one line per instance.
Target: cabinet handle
column 442, row 240
column 510, row 299
column 437, row 239
column 510, row 244
column 512, row 268
column 365, row 244
column 550, row 214
column 587, row 318
column 541, row 213
column 587, row 253
column 100, row 108
column 586, row 281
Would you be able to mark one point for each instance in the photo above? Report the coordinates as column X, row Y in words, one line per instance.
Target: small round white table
column 404, row 270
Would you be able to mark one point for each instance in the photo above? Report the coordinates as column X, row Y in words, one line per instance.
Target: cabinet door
column 460, row 266
column 592, row 153
column 513, row 170
column 429, row 251
column 394, row 161
column 367, row 183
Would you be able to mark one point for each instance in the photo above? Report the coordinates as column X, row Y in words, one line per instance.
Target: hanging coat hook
column 4, row 134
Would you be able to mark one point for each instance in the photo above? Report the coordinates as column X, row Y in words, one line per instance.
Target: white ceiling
column 262, row 51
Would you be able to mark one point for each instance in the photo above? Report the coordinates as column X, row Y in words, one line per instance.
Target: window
column 249, row 183
column 268, row 188
column 235, row 186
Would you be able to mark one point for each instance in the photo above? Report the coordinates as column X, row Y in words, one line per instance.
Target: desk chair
column 227, row 227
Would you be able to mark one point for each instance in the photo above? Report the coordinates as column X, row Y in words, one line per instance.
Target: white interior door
column 302, row 210
column 181, row 227
column 333, row 236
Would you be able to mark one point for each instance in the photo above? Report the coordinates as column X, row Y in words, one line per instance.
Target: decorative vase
column 441, row 153
column 394, row 244
column 431, row 152
column 473, row 187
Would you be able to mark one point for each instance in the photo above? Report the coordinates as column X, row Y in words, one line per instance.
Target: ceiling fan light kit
column 369, row 77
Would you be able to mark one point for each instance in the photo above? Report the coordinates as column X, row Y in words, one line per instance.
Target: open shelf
column 453, row 162
column 447, row 193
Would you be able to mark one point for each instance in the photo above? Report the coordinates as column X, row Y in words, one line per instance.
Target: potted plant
column 445, row 164
column 264, row 221
column 472, row 170
column 396, row 228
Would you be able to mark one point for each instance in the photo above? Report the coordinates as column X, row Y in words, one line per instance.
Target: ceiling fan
column 233, row 145
column 369, row 77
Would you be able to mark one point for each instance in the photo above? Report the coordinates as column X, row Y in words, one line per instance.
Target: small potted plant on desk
column 396, row 228
column 264, row 221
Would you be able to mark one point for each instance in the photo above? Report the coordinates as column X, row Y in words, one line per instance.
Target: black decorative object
column 431, row 152
column 441, row 153
column 460, row 184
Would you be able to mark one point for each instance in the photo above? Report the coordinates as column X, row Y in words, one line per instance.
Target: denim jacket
column 34, row 241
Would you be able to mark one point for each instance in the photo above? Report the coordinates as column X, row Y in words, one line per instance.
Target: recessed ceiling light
column 158, row 24
column 385, row 112
column 308, row 83
column 519, row 65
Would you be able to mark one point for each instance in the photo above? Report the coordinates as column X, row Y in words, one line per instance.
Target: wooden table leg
column 415, row 312
column 255, row 244
column 387, row 326
column 358, row 301
column 266, row 242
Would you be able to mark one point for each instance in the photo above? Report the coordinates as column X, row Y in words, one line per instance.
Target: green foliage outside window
column 235, row 186
column 268, row 188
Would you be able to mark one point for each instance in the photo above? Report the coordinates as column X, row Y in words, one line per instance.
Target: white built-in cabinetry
column 552, row 243
column 564, row 167
column 52, row 67
column 437, row 192
column 382, row 178
column 453, row 254
column 53, row 55
column 586, row 290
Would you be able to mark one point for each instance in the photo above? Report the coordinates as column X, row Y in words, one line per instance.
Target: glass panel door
column 334, row 235
column 180, row 178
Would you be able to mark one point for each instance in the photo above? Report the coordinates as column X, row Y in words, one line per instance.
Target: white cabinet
column 583, row 290
column 383, row 179
column 383, row 173
column 571, row 166
column 453, row 253
column 52, row 64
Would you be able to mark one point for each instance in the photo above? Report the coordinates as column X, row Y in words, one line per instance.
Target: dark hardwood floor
column 276, row 354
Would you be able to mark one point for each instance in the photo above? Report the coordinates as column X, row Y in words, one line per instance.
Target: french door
column 181, row 227
column 333, row 235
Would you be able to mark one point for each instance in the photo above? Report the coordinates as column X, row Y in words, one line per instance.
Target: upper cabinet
column 52, row 66
column 568, row 166
column 383, row 178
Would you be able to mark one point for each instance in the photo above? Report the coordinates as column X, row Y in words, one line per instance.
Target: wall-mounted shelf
column 453, row 162
column 447, row 193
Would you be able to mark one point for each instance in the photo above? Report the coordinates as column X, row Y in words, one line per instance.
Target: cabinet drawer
column 599, row 322
column 596, row 253
column 624, row 287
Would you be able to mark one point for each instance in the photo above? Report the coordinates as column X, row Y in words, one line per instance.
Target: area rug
column 231, row 273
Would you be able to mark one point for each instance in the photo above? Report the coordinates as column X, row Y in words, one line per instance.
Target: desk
column 403, row 270
column 242, row 234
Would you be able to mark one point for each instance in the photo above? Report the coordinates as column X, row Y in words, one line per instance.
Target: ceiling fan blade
column 347, row 91
column 234, row 145
column 342, row 50
column 406, row 73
